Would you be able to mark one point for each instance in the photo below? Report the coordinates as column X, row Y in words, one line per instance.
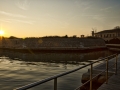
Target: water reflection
column 17, row 69
column 66, row 58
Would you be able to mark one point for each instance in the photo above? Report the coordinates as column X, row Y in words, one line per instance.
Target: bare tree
column 117, row 27
column 94, row 29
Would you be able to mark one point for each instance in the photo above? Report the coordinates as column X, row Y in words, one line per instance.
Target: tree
column 117, row 27
column 74, row 36
column 66, row 36
column 13, row 37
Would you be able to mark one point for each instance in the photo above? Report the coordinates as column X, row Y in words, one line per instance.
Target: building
column 108, row 35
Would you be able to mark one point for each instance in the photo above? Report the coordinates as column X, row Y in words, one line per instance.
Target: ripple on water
column 19, row 69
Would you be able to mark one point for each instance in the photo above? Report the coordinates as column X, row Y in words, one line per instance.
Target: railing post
column 91, row 71
column 116, row 65
column 55, row 84
column 106, row 70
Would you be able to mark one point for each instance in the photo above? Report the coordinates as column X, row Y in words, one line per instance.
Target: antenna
column 94, row 29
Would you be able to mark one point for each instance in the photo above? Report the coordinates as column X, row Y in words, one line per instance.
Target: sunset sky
column 37, row 18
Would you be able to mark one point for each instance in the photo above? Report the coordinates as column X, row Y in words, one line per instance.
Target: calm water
column 17, row 69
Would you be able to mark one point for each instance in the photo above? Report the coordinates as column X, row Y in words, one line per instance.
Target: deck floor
column 113, row 81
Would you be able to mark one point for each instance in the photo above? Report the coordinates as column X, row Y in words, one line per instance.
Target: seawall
column 113, row 47
column 53, row 44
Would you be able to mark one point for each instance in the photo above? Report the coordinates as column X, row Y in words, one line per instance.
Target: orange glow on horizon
column 1, row 32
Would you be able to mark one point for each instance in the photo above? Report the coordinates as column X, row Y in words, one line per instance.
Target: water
column 18, row 69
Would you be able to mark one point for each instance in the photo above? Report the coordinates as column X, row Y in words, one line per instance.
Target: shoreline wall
column 53, row 43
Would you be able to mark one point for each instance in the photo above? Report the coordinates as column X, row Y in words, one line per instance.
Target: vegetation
column 117, row 27
column 12, row 37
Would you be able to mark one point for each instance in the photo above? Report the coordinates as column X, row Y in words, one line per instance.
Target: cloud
column 99, row 18
column 106, row 9
column 105, row 19
column 12, row 15
column 86, row 8
column 5, row 21
column 17, row 20
column 23, row 4
column 90, row 15
column 81, row 4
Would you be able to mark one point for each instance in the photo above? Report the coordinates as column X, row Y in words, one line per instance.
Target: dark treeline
column 66, row 36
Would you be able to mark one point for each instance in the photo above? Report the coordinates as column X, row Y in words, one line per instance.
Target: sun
column 1, row 32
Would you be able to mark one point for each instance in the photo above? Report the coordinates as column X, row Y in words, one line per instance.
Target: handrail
column 60, row 75
column 48, row 79
column 91, row 78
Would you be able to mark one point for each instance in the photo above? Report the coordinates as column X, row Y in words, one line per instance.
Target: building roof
column 109, row 31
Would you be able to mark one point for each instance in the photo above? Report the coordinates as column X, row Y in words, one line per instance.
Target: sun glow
column 1, row 32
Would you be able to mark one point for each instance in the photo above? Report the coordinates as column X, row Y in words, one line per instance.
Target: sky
column 38, row 18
